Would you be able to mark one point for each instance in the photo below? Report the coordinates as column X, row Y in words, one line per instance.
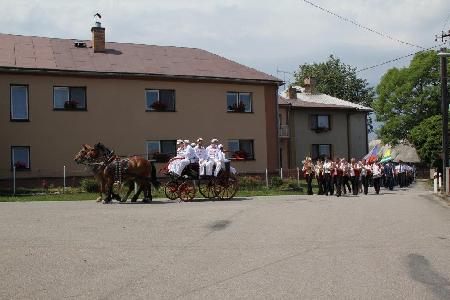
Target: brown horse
column 131, row 169
column 96, row 167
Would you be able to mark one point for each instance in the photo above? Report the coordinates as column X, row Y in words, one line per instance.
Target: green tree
column 407, row 96
column 427, row 138
column 337, row 79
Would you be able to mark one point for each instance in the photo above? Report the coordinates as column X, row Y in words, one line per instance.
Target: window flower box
column 237, row 107
column 159, row 106
column 321, row 129
column 20, row 165
column 71, row 105
column 240, row 155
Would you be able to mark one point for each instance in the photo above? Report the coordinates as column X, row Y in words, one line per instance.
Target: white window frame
column 250, row 94
column 147, row 107
column 13, row 161
column 11, row 103
column 66, row 88
column 153, row 141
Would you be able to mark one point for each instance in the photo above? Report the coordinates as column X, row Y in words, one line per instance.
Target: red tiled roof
column 41, row 53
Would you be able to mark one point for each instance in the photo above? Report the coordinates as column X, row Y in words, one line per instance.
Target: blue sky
column 265, row 35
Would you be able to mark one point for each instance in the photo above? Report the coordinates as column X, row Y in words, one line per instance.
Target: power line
column 362, row 26
column 397, row 58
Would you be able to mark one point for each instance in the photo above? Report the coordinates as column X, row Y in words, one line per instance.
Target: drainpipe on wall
column 348, row 136
column 367, row 134
column 277, row 121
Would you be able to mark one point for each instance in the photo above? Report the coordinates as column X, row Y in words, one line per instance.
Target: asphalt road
column 390, row 246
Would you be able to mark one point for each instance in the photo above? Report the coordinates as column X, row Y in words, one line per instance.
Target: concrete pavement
column 391, row 246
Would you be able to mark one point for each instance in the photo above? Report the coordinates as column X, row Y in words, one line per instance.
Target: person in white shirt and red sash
column 377, row 172
column 367, row 176
column 355, row 171
column 308, row 172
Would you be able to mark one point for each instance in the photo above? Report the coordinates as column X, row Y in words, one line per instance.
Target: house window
column 161, row 151
column 20, row 157
column 160, row 100
column 241, row 149
column 239, row 102
column 321, row 151
column 69, row 98
column 19, row 102
column 320, row 122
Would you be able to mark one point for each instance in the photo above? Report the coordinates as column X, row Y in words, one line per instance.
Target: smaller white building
column 319, row 125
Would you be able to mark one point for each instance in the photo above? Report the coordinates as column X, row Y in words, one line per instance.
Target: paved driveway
column 395, row 245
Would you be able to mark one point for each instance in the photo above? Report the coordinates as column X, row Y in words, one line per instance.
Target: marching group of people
column 211, row 159
column 339, row 176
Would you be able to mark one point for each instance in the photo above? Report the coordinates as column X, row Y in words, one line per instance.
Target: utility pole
column 444, row 108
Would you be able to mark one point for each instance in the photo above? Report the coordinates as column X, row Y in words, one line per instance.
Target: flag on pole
column 372, row 156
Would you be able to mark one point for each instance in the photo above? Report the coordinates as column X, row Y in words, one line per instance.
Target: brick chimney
column 98, row 37
column 309, row 85
column 292, row 92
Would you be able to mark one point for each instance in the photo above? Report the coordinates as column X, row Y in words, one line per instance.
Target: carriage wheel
column 171, row 190
column 206, row 188
column 227, row 186
column 186, row 191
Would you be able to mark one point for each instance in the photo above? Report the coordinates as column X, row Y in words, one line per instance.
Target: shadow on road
column 421, row 270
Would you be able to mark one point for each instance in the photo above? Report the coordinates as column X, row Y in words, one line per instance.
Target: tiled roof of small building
column 308, row 100
column 22, row 53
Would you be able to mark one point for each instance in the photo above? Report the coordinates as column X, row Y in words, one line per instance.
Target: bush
column 89, row 185
column 276, row 181
column 291, row 185
column 250, row 182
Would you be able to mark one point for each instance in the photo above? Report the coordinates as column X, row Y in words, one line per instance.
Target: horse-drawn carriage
column 117, row 175
column 184, row 187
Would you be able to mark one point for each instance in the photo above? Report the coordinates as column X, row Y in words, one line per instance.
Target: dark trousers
column 346, row 183
column 332, row 185
column 320, row 183
column 390, row 182
column 338, row 185
column 376, row 184
column 355, row 184
column 365, row 181
column 327, row 184
column 309, row 178
column 401, row 179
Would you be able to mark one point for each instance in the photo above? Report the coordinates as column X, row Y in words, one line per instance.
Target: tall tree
column 407, row 96
column 427, row 138
column 337, row 79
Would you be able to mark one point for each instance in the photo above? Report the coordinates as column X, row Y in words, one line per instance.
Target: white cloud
column 263, row 34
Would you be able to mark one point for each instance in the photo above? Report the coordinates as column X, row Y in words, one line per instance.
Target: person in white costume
column 189, row 157
column 211, row 153
column 202, row 156
column 220, row 160
column 173, row 165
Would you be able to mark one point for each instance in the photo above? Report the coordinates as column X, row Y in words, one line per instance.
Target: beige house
column 57, row 94
column 318, row 125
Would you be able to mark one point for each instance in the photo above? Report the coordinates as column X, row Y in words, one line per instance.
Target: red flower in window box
column 20, row 165
column 237, row 107
column 71, row 104
column 158, row 105
column 240, row 155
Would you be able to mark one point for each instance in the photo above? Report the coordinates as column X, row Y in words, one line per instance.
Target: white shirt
column 190, row 153
column 211, row 152
column 376, row 170
column 220, row 156
column 201, row 152
column 327, row 167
